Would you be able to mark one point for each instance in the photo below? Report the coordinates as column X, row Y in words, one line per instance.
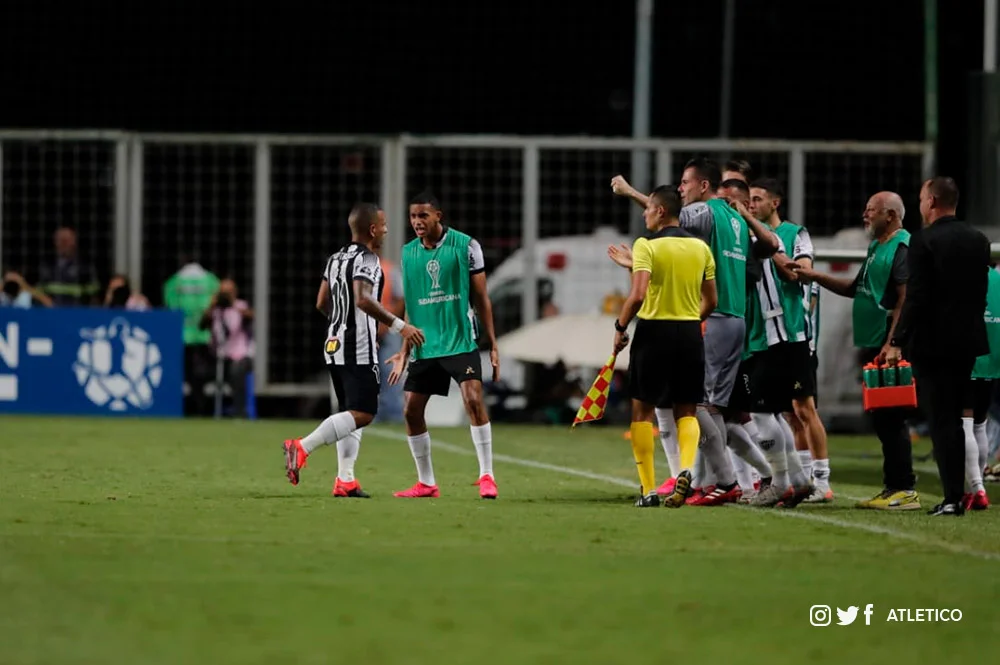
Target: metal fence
column 268, row 210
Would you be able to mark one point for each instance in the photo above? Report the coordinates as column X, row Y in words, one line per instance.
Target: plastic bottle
column 870, row 374
column 889, row 378
column 905, row 374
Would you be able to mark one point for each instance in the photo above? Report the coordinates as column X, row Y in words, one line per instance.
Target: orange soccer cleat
column 295, row 459
column 351, row 490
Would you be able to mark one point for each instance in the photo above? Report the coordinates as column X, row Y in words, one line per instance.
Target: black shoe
column 648, row 501
column 943, row 509
column 359, row 493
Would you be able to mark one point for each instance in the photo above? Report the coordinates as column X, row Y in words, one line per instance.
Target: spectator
column 69, row 281
column 18, row 293
column 121, row 296
column 390, row 408
column 230, row 322
column 190, row 290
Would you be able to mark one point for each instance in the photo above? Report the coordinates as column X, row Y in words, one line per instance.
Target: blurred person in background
column 18, row 293
column 68, row 280
column 737, row 169
column 229, row 319
column 390, row 408
column 190, row 290
column 120, row 295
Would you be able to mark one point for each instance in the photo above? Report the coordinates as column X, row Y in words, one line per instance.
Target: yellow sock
column 642, row 449
column 688, row 434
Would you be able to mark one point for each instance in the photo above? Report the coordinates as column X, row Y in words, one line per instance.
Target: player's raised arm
column 621, row 187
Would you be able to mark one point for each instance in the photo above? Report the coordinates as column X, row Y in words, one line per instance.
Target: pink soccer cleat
column 718, row 496
column 977, row 501
column 419, row 491
column 295, row 459
column 487, row 487
column 667, row 487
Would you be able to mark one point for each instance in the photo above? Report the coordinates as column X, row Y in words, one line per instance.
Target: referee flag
column 592, row 407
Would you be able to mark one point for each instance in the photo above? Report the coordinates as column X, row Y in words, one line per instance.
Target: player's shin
column 772, row 445
column 982, row 442
column 420, row 448
column 642, row 450
column 668, row 439
column 688, row 433
column 741, row 443
column 347, row 455
column 973, row 469
column 482, row 439
column 331, row 430
column 713, row 446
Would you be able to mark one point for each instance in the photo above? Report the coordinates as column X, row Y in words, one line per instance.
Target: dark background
column 850, row 69
column 803, row 70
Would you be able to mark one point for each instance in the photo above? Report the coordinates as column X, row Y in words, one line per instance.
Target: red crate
column 889, row 397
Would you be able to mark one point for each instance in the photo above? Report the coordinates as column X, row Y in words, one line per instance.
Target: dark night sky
column 846, row 69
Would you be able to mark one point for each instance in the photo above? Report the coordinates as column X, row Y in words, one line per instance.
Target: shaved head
column 363, row 216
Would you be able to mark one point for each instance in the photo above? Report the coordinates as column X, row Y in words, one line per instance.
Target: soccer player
column 878, row 292
column 790, row 363
column 673, row 291
column 349, row 297
column 443, row 274
column 984, row 373
column 726, row 232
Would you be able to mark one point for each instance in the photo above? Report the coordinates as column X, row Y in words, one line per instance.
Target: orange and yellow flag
column 592, row 407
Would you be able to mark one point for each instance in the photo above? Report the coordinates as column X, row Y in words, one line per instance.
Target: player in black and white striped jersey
column 349, row 296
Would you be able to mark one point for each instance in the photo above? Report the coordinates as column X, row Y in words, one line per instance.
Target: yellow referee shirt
column 678, row 263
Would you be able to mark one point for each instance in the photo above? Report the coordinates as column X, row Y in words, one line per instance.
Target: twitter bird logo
column 847, row 617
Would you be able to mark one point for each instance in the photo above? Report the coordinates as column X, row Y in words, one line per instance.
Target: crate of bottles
column 886, row 387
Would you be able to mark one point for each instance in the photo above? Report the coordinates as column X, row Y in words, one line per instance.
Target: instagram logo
column 820, row 615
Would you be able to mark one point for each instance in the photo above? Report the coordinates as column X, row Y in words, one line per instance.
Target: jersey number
column 340, row 299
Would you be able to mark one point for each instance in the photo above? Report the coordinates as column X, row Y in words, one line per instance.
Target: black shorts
column 667, row 363
column 978, row 397
column 785, row 372
column 742, row 399
column 432, row 376
column 356, row 387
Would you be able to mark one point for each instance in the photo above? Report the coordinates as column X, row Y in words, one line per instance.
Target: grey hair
column 893, row 201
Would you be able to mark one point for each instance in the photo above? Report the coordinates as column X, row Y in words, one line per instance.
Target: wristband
column 398, row 325
column 620, row 328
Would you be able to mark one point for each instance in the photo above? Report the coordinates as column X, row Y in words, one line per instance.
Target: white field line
column 809, row 516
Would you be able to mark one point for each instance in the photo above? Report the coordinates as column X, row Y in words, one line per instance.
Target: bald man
column 879, row 292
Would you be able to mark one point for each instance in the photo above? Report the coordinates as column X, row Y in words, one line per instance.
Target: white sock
column 668, row 428
column 744, row 472
column 973, row 470
column 740, row 442
column 821, row 473
column 806, row 460
column 420, row 446
column 983, row 442
column 772, row 444
column 796, row 474
column 331, row 430
column 347, row 455
column 482, row 438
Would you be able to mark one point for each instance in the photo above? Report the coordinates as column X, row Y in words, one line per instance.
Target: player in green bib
column 791, row 383
column 444, row 288
column 984, row 373
column 878, row 291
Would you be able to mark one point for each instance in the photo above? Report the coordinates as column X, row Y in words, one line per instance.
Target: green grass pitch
column 132, row 541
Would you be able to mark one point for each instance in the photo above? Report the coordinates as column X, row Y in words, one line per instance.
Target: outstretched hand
column 622, row 255
column 398, row 362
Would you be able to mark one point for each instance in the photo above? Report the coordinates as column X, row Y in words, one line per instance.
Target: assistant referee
column 673, row 291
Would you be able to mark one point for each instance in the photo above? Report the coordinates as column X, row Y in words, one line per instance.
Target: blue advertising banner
column 78, row 361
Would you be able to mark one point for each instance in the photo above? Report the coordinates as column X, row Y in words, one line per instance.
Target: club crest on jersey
column 332, row 345
column 434, row 270
column 736, row 228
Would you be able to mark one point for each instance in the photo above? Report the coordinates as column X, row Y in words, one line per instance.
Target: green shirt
column 727, row 234
column 436, row 292
column 793, row 318
column 869, row 314
column 190, row 290
column 988, row 366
